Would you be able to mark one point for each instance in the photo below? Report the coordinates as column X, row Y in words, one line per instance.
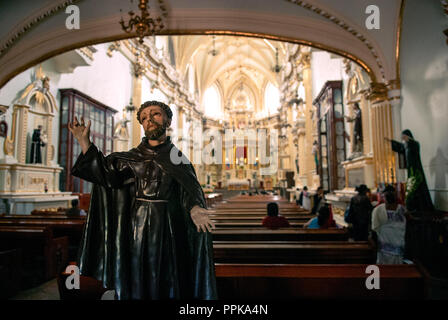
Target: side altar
column 29, row 175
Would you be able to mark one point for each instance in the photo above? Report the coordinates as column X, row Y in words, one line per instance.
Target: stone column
column 394, row 96
column 308, row 164
column 382, row 126
column 137, row 101
column 50, row 151
column 301, row 133
column 22, row 129
column 366, row 126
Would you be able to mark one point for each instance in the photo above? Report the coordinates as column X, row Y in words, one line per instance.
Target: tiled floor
column 46, row 291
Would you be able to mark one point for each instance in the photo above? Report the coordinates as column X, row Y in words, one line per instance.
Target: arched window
column 212, row 102
column 271, row 99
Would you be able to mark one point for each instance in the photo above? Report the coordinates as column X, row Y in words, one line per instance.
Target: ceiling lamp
column 213, row 52
column 277, row 68
column 130, row 108
column 144, row 25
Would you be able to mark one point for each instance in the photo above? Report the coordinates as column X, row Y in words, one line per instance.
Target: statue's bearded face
column 154, row 122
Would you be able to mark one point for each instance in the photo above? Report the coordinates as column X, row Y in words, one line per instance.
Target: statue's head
column 406, row 134
column 272, row 208
column 155, row 117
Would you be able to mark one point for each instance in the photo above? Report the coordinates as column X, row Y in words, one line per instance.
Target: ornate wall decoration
column 30, row 23
column 344, row 25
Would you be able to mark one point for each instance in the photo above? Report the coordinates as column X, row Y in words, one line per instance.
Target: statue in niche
column 36, row 143
column 315, row 153
column 357, row 131
column 3, row 128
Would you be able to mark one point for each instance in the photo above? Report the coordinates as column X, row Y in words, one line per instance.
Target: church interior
column 272, row 101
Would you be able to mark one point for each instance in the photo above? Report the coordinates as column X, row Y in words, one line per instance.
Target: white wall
column 324, row 67
column 108, row 80
column 424, row 75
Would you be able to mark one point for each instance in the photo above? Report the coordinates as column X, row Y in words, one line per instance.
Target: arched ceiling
column 235, row 58
column 32, row 31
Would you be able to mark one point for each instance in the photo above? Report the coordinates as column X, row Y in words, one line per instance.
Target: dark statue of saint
column 36, row 144
column 147, row 234
column 417, row 193
column 357, row 129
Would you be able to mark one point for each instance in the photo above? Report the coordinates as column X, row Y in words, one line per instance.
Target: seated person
column 74, row 211
column 305, row 199
column 318, row 200
column 389, row 223
column 322, row 221
column 273, row 220
column 298, row 196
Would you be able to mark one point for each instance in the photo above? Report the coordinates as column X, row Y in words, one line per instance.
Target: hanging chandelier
column 213, row 52
column 277, row 68
column 143, row 24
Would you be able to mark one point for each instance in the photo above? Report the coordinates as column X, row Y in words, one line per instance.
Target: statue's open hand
column 201, row 220
column 81, row 133
column 79, row 130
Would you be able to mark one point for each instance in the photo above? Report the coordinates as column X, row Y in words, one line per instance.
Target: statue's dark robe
column 421, row 199
column 143, row 249
column 36, row 144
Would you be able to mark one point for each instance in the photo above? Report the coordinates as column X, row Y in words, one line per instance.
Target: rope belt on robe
column 149, row 200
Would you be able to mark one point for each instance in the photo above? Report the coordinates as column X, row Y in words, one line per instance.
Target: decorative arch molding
column 315, row 32
column 340, row 22
column 35, row 105
column 39, row 16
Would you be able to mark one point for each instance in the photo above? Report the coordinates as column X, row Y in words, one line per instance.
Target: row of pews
column 253, row 262
column 36, row 248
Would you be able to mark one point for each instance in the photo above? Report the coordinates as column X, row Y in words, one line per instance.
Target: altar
column 29, row 174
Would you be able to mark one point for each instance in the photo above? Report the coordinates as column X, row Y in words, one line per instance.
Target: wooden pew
column 212, row 199
column 60, row 226
column 261, row 214
column 257, row 224
column 43, row 255
column 257, row 234
column 258, row 210
column 291, row 282
column 10, row 272
column 256, row 205
column 296, row 281
column 290, row 252
column 258, row 219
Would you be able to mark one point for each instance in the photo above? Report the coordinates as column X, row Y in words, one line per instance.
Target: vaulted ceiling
column 228, row 60
column 32, row 31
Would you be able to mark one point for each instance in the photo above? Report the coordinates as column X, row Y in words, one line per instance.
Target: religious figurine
column 315, row 154
column 147, row 234
column 417, row 193
column 36, row 144
column 3, row 128
column 357, row 131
